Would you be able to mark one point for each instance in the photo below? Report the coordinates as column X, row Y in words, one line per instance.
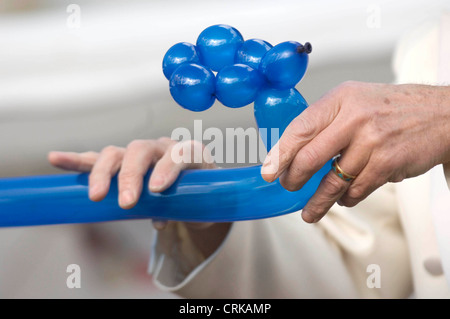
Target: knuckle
column 191, row 147
column 138, row 144
column 383, row 164
column 346, row 92
column 188, row 143
column 128, row 176
column 89, row 154
column 397, row 177
column 303, row 128
column 358, row 116
column 286, row 181
column 334, row 186
column 111, row 150
column 187, row 148
column 356, row 193
column 182, row 152
column 165, row 140
column 348, row 202
column 197, row 145
column 308, row 159
column 373, row 139
column 348, row 87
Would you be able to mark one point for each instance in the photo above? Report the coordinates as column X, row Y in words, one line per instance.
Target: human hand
column 383, row 133
column 132, row 164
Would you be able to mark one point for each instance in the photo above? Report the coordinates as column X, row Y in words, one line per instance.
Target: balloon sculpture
column 251, row 71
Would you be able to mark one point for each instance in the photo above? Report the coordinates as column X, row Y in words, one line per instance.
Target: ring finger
column 334, row 184
column 367, row 181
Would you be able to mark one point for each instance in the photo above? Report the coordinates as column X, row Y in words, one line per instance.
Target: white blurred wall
column 78, row 89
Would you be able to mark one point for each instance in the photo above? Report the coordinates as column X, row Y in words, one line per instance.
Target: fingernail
column 94, row 191
column 268, row 173
column 270, row 169
column 126, row 198
column 308, row 218
column 157, row 182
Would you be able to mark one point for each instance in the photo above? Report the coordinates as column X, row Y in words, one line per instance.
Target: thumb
column 305, row 127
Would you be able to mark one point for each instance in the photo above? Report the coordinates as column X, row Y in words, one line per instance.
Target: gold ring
column 340, row 172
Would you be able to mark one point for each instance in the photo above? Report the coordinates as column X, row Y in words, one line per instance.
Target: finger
column 79, row 162
column 139, row 156
column 298, row 133
column 371, row 178
column 178, row 157
column 159, row 224
column 314, row 155
column 332, row 187
column 106, row 166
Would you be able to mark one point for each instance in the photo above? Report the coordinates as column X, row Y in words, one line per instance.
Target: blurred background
column 78, row 76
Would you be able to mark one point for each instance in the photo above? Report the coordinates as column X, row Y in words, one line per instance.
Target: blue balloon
column 285, row 64
column 251, row 52
column 237, row 85
column 177, row 55
column 274, row 109
column 217, row 195
column 193, row 87
column 217, row 45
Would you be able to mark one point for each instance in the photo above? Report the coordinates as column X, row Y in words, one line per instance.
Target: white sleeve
column 253, row 262
column 284, row 257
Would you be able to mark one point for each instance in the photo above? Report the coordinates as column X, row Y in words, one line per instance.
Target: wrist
column 434, row 103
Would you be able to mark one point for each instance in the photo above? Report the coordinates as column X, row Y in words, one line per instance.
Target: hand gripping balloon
column 247, row 71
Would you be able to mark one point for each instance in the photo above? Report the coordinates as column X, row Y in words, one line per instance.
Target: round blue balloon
column 274, row 109
column 237, row 85
column 193, row 86
column 285, row 64
column 251, row 52
column 177, row 55
column 218, row 45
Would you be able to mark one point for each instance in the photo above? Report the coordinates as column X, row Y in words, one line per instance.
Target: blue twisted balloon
column 264, row 75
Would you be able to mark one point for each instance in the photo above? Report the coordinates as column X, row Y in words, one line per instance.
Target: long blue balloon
column 216, row 195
